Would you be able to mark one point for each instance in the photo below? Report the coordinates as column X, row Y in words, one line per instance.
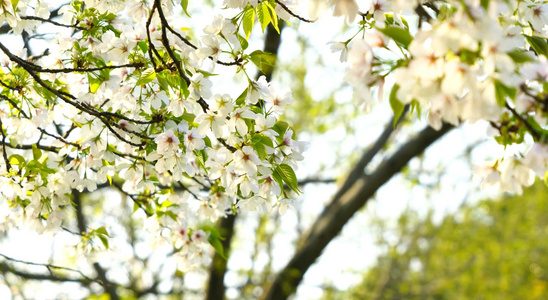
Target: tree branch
column 52, row 277
column 5, row 268
column 292, row 13
column 336, row 215
column 4, row 153
column 5, row 28
column 109, row 287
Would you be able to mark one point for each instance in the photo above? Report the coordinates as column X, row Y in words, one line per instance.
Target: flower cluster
column 125, row 99
column 465, row 61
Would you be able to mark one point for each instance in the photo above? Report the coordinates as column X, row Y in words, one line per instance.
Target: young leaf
column 280, row 127
column 263, row 60
column 241, row 99
column 94, row 83
column 273, row 15
column 397, row 106
column 102, row 231
column 263, row 139
column 36, row 153
column 104, row 240
column 184, row 5
column 401, row 36
column 288, row 176
column 502, row 91
column 16, row 159
column 248, row 21
column 264, row 15
column 538, row 44
column 215, row 242
column 147, row 76
column 261, row 150
column 520, row 56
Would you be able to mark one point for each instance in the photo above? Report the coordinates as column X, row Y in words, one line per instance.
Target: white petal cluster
column 463, row 61
column 136, row 107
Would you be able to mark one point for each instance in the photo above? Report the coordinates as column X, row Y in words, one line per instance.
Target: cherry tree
column 128, row 95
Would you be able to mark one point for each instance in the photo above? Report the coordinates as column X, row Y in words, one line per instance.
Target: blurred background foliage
column 492, row 249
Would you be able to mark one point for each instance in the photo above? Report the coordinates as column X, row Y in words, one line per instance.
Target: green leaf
column 280, row 127
column 163, row 81
column 278, row 178
column 401, row 36
column 273, row 15
column 263, row 139
column 102, row 231
column 261, row 150
column 415, row 107
column 520, row 56
column 214, row 238
column 241, row 99
column 243, row 42
column 200, row 158
column 102, row 234
column 538, row 44
column 263, row 60
column 395, row 104
column 94, row 83
column 207, row 141
column 288, row 176
column 147, row 76
column 189, row 117
column 502, row 91
column 184, row 5
column 248, row 21
column 184, row 87
column 143, row 45
column 14, row 3
column 36, row 153
column 16, row 159
column 206, row 73
column 264, row 16
column 215, row 242
column 104, row 240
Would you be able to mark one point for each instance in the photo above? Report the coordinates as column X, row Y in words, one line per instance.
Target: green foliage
column 264, row 12
column 538, row 44
column 263, row 60
column 248, row 21
column 184, row 5
column 395, row 104
column 215, row 239
column 490, row 250
column 400, row 35
column 287, row 175
column 502, row 91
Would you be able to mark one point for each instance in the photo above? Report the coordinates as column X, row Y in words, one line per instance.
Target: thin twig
column 93, row 69
column 52, row 22
column 48, row 266
column 536, row 135
column 292, row 13
column 4, row 153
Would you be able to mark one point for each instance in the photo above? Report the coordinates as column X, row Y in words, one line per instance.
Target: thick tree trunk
column 337, row 214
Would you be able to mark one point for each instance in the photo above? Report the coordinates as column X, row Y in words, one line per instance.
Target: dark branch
column 49, row 267
column 293, row 14
column 4, row 152
column 52, row 22
column 334, row 217
column 109, row 287
column 536, row 135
